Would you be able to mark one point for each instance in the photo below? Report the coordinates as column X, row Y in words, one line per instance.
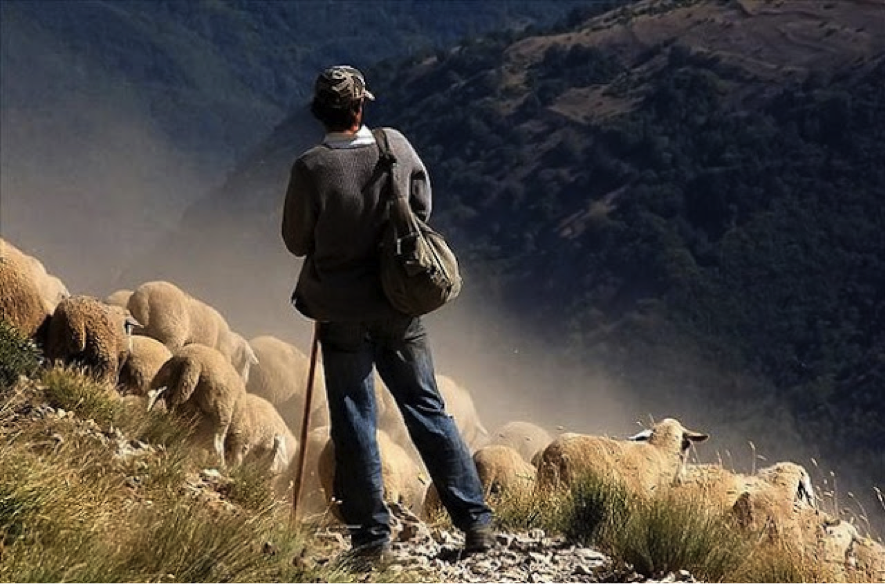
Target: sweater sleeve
column 299, row 212
column 420, row 191
column 419, row 186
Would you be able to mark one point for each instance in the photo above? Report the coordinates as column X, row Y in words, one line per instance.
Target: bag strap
column 381, row 139
column 387, row 160
column 399, row 211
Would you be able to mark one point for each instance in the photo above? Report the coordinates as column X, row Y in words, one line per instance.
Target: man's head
column 339, row 93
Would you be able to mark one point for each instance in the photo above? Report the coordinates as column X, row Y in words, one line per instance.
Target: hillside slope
column 678, row 202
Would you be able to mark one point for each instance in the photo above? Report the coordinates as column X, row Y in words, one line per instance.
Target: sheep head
column 179, row 376
column 672, row 438
column 793, row 479
column 121, row 317
column 670, row 433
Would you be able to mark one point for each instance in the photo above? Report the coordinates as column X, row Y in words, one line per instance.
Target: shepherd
column 333, row 216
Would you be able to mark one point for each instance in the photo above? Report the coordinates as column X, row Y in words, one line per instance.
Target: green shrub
column 18, row 355
column 597, row 510
column 540, row 509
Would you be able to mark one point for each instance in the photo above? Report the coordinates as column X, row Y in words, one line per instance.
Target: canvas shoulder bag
column 419, row 272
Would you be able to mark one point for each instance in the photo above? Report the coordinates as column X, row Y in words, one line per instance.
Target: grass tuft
column 597, row 510
column 668, row 534
column 18, row 355
column 72, row 389
column 252, row 488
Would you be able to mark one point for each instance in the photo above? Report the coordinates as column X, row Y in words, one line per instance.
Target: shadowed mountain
column 129, row 111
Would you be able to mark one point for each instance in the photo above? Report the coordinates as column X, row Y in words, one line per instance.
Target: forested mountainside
column 683, row 197
column 130, row 110
column 217, row 75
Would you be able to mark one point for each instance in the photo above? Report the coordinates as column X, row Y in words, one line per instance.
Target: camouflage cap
column 340, row 86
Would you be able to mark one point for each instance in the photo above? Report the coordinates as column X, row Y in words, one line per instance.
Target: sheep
column 86, row 331
column 146, row 356
column 782, row 504
column 644, row 463
column 52, row 290
column 119, row 297
column 312, row 499
column 836, row 546
column 198, row 381
column 176, row 319
column 830, row 545
column 403, row 480
column 460, row 405
column 258, row 434
column 280, row 376
column 775, row 499
column 431, row 506
column 525, row 437
column 21, row 304
column 870, row 561
column 781, row 485
column 833, row 545
column 503, row 471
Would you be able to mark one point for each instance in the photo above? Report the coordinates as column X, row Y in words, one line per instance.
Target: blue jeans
column 398, row 347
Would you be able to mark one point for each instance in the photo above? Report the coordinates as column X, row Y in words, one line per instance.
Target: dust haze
column 89, row 184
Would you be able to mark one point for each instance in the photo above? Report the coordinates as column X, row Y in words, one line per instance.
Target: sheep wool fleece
column 334, row 213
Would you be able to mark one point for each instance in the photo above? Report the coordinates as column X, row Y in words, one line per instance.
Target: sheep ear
column 641, row 436
column 695, row 436
column 805, row 493
column 153, row 396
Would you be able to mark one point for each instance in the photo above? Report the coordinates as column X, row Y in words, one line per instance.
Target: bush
column 18, row 355
column 597, row 509
column 74, row 390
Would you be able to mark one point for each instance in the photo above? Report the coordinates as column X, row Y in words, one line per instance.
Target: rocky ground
column 435, row 553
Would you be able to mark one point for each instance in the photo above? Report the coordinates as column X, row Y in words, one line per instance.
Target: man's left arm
column 420, row 192
column 419, row 183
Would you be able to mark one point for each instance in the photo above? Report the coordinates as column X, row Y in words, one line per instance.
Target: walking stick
column 306, row 419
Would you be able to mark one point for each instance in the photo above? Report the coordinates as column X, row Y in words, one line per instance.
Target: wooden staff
column 306, row 420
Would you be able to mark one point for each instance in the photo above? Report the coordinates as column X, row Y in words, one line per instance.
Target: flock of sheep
column 161, row 345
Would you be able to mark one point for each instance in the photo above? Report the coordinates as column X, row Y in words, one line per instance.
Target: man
column 333, row 216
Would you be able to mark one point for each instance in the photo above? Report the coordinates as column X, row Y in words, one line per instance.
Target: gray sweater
column 333, row 215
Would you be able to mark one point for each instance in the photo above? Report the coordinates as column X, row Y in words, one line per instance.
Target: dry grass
column 675, row 531
column 77, row 503
column 105, row 492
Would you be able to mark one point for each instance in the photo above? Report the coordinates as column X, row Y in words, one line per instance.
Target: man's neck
column 349, row 139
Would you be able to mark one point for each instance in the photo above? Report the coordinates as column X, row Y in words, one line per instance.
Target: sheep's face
column 669, row 434
column 672, row 438
column 805, row 493
column 794, row 479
